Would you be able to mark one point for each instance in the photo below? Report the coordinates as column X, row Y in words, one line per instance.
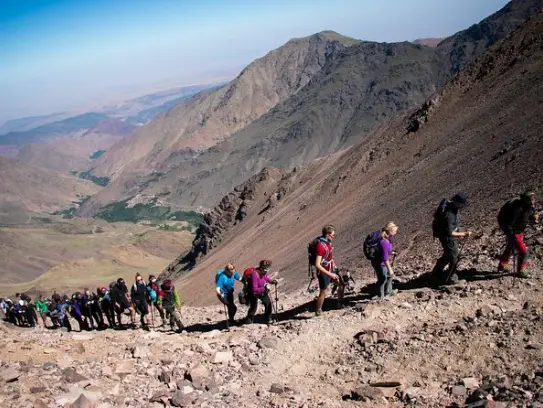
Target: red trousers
column 515, row 242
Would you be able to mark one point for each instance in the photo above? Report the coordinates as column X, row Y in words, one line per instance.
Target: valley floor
column 426, row 347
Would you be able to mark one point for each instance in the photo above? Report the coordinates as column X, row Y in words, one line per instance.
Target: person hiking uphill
column 326, row 267
column 168, row 298
column 138, row 294
column 43, row 310
column 381, row 262
column 121, row 301
column 446, row 228
column 513, row 219
column 258, row 291
column 153, row 286
column 106, row 305
column 76, row 311
column 224, row 286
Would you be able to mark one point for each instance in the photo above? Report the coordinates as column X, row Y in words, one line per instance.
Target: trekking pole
column 276, row 301
column 514, row 262
column 153, row 314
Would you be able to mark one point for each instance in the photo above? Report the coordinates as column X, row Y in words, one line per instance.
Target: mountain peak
column 328, row 35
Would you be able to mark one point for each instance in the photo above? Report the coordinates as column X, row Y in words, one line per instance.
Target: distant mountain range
column 132, row 113
column 309, row 98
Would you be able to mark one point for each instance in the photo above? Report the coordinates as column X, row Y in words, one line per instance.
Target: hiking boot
column 523, row 274
column 503, row 268
column 248, row 320
column 452, row 279
column 392, row 293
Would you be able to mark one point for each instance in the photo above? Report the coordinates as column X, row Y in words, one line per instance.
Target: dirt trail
column 426, row 340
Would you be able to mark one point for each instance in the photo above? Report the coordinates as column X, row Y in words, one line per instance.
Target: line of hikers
column 91, row 310
column 513, row 219
column 88, row 308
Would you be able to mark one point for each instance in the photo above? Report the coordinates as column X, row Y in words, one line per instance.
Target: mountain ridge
column 472, row 135
column 337, row 110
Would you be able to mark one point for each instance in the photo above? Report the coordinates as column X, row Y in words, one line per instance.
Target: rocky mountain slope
column 213, row 116
column 362, row 86
column 477, row 344
column 471, row 136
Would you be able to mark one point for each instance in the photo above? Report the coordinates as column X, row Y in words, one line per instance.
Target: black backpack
column 312, row 252
column 438, row 223
column 371, row 245
column 505, row 215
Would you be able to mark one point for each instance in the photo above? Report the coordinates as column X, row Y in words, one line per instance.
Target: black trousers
column 107, row 308
column 253, row 304
column 449, row 257
column 228, row 300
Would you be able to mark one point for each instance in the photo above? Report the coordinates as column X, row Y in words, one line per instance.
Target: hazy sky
column 58, row 55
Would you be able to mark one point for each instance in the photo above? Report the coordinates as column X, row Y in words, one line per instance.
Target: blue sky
column 73, row 54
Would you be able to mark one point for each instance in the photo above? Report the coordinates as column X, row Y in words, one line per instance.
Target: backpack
column 312, row 252
column 151, row 294
column 504, row 216
column 247, row 273
column 218, row 275
column 438, row 223
column 166, row 285
column 246, row 279
column 371, row 245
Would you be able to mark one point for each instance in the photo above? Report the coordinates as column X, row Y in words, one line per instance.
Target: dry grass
column 43, row 259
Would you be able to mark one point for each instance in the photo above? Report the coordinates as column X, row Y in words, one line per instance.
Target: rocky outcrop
column 230, row 212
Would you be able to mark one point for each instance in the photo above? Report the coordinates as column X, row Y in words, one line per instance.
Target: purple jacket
column 258, row 282
column 76, row 307
column 386, row 250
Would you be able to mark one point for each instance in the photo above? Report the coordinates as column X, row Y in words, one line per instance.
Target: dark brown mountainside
column 465, row 45
column 480, row 134
column 349, row 94
column 366, row 84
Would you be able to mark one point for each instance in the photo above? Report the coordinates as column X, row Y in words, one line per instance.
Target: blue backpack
column 371, row 245
column 152, row 294
column 218, row 275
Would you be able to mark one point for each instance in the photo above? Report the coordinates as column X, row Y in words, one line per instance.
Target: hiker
column 326, row 267
column 382, row 264
column 139, row 297
column 42, row 309
column 446, row 228
column 152, row 286
column 168, row 298
column 513, row 218
column 3, row 309
column 76, row 311
column 121, row 302
column 106, row 305
column 224, row 282
column 92, row 310
column 258, row 291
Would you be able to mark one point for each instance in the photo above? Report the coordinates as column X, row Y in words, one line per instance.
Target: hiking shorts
column 324, row 281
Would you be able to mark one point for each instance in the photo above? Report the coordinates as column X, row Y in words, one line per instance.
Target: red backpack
column 247, row 273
